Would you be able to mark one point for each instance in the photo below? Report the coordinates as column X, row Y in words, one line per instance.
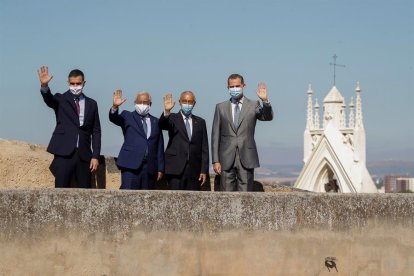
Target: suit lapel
column 181, row 124
column 153, row 125
column 138, row 120
column 195, row 126
column 87, row 110
column 245, row 110
column 70, row 99
column 71, row 102
column 229, row 115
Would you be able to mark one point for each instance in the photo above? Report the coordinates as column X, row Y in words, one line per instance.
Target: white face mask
column 142, row 109
column 76, row 89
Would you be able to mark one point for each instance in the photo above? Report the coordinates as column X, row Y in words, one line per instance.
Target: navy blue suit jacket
column 67, row 130
column 135, row 142
column 180, row 148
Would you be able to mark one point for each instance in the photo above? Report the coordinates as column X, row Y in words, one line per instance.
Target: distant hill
column 377, row 168
column 381, row 168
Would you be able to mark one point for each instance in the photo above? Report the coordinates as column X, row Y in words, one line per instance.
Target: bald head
column 187, row 97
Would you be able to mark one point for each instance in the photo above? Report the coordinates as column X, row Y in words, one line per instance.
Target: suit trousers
column 138, row 179
column 184, row 181
column 237, row 178
column 64, row 168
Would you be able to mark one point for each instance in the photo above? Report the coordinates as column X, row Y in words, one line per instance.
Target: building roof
column 334, row 96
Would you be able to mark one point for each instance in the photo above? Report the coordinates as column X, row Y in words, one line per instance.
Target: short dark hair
column 76, row 73
column 235, row 76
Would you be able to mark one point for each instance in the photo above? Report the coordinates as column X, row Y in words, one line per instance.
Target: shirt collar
column 239, row 101
column 80, row 97
column 184, row 117
column 143, row 117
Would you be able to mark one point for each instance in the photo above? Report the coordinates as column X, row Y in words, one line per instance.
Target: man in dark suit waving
column 141, row 158
column 76, row 140
column 186, row 156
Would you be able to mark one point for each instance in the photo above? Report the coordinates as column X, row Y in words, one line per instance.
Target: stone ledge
column 30, row 211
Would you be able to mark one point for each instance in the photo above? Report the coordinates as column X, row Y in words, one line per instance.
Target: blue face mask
column 236, row 92
column 187, row 108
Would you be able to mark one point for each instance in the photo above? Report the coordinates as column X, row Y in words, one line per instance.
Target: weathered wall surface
column 98, row 232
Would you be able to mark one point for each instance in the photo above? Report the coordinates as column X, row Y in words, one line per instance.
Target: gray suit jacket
column 225, row 137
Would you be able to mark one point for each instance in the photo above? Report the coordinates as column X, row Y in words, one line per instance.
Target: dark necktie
column 188, row 128
column 236, row 114
column 77, row 105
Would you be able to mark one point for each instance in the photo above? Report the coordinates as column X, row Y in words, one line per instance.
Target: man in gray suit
column 233, row 147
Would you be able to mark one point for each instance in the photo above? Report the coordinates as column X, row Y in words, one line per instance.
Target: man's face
column 235, row 83
column 76, row 81
column 187, row 98
column 143, row 99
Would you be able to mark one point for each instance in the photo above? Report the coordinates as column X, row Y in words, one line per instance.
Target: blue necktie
column 144, row 125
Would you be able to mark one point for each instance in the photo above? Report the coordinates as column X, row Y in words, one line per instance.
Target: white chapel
column 334, row 153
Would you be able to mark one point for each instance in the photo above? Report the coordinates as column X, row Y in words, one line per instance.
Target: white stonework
column 335, row 153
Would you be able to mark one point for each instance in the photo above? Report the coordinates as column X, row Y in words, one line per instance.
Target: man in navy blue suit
column 141, row 158
column 186, row 156
column 76, row 140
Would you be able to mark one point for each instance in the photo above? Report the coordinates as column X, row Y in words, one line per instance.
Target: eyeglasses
column 75, row 83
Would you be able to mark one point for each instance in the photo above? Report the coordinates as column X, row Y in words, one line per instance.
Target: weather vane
column 334, row 66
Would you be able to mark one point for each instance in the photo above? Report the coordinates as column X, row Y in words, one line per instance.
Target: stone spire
column 316, row 121
column 358, row 116
column 309, row 120
column 332, row 106
column 343, row 116
column 351, row 114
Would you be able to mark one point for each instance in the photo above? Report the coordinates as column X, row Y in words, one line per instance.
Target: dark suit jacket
column 180, row 148
column 135, row 142
column 67, row 130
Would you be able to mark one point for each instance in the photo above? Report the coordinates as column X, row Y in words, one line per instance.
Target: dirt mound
column 24, row 165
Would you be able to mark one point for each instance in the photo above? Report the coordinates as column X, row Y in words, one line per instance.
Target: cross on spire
column 334, row 64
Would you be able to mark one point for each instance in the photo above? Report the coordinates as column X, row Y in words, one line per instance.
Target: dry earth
column 25, row 165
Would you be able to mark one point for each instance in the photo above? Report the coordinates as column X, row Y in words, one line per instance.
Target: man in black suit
column 186, row 156
column 77, row 126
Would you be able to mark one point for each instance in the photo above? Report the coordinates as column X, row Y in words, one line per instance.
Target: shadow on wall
column 108, row 165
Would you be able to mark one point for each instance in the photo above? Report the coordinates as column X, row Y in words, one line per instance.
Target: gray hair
column 188, row 92
column 143, row 93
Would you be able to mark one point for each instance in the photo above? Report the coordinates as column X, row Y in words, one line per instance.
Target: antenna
column 334, row 66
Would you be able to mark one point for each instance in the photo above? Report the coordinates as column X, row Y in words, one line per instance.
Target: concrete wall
column 101, row 232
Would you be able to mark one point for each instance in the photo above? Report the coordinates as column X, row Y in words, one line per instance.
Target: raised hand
column 168, row 102
column 262, row 91
column 118, row 99
column 44, row 76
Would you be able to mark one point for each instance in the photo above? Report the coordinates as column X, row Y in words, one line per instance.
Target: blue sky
column 162, row 46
